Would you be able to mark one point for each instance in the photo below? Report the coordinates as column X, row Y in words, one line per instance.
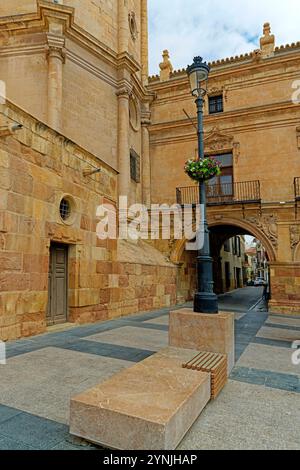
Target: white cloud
column 216, row 29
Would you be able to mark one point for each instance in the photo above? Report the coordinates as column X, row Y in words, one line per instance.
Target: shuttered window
column 135, row 166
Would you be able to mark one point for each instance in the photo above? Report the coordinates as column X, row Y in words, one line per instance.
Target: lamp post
column 205, row 300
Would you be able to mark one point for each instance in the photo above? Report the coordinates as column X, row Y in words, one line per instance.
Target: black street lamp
column 205, row 300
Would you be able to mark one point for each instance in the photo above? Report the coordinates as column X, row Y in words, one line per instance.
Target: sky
column 216, row 29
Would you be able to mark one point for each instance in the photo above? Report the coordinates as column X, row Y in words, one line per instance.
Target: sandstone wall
column 38, row 167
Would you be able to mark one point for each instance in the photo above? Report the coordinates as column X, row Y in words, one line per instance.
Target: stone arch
column 244, row 225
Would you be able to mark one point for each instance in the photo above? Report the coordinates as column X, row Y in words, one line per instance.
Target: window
column 223, row 184
column 135, row 166
column 236, row 245
column 65, row 209
column 227, row 246
column 215, row 104
column 238, row 251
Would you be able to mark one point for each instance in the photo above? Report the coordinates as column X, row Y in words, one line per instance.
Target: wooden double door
column 57, row 311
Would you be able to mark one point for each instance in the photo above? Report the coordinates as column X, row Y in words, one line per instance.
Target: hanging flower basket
column 202, row 170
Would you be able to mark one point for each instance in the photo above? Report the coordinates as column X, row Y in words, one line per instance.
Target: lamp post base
column 206, row 302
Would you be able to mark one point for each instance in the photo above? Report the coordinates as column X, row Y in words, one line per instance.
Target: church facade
column 82, row 123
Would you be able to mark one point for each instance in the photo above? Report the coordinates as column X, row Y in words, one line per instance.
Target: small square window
column 227, row 246
column 135, row 166
column 215, row 104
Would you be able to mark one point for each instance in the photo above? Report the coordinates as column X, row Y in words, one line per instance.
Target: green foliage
column 202, row 170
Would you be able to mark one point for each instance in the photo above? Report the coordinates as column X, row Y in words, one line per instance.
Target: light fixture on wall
column 89, row 172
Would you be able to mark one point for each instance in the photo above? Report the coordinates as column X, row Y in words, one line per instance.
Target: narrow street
column 241, row 300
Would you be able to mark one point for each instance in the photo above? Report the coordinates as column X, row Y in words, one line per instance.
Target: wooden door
column 57, row 311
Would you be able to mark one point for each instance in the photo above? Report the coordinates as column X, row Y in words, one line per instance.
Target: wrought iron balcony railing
column 245, row 192
column 297, row 188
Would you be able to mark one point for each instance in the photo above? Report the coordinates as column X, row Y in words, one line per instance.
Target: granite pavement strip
column 258, row 409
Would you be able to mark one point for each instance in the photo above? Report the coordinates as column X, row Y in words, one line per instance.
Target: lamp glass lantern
column 198, row 74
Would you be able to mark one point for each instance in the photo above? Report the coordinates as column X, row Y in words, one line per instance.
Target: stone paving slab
column 164, row 320
column 256, row 418
column 267, row 358
column 43, row 371
column 279, row 381
column 284, row 320
column 278, row 334
column 42, row 382
column 133, row 337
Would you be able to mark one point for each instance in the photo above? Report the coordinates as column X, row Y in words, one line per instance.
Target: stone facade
column 76, row 75
column 81, row 69
column 81, row 66
column 39, row 166
column 259, row 126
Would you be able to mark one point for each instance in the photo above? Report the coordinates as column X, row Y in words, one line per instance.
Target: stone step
column 149, row 406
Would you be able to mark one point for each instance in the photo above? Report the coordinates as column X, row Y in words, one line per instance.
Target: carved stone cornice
column 124, row 91
column 146, row 118
column 125, row 60
column 268, row 225
column 215, row 91
column 39, row 21
column 55, row 47
column 217, row 140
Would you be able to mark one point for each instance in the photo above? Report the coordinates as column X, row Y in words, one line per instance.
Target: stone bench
column 149, row 406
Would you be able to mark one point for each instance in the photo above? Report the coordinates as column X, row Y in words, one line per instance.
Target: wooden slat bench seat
column 215, row 364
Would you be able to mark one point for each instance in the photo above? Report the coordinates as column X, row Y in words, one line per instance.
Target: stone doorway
column 57, row 310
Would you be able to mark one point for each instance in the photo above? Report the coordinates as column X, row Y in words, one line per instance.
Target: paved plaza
column 258, row 409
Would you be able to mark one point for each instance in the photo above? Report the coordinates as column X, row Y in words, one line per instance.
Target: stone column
column 56, row 58
column 144, row 41
column 146, row 168
column 123, row 26
column 123, row 141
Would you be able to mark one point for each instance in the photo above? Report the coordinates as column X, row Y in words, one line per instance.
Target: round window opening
column 65, row 209
column 133, row 114
column 132, row 25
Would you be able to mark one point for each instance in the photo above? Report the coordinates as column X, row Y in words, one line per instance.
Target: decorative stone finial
column 166, row 67
column 267, row 42
column 267, row 29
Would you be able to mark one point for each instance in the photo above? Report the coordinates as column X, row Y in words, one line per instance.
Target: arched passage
column 220, row 230
column 239, row 227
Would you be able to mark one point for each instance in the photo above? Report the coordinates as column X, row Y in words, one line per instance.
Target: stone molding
column 146, row 120
column 124, row 91
column 55, row 47
column 216, row 140
column 39, row 21
column 215, row 91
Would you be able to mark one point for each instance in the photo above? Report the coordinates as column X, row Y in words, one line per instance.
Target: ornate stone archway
column 250, row 228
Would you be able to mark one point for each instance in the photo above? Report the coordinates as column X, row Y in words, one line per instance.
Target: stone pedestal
column 203, row 332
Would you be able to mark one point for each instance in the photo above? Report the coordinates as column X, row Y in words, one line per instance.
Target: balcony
column 247, row 192
column 297, row 188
